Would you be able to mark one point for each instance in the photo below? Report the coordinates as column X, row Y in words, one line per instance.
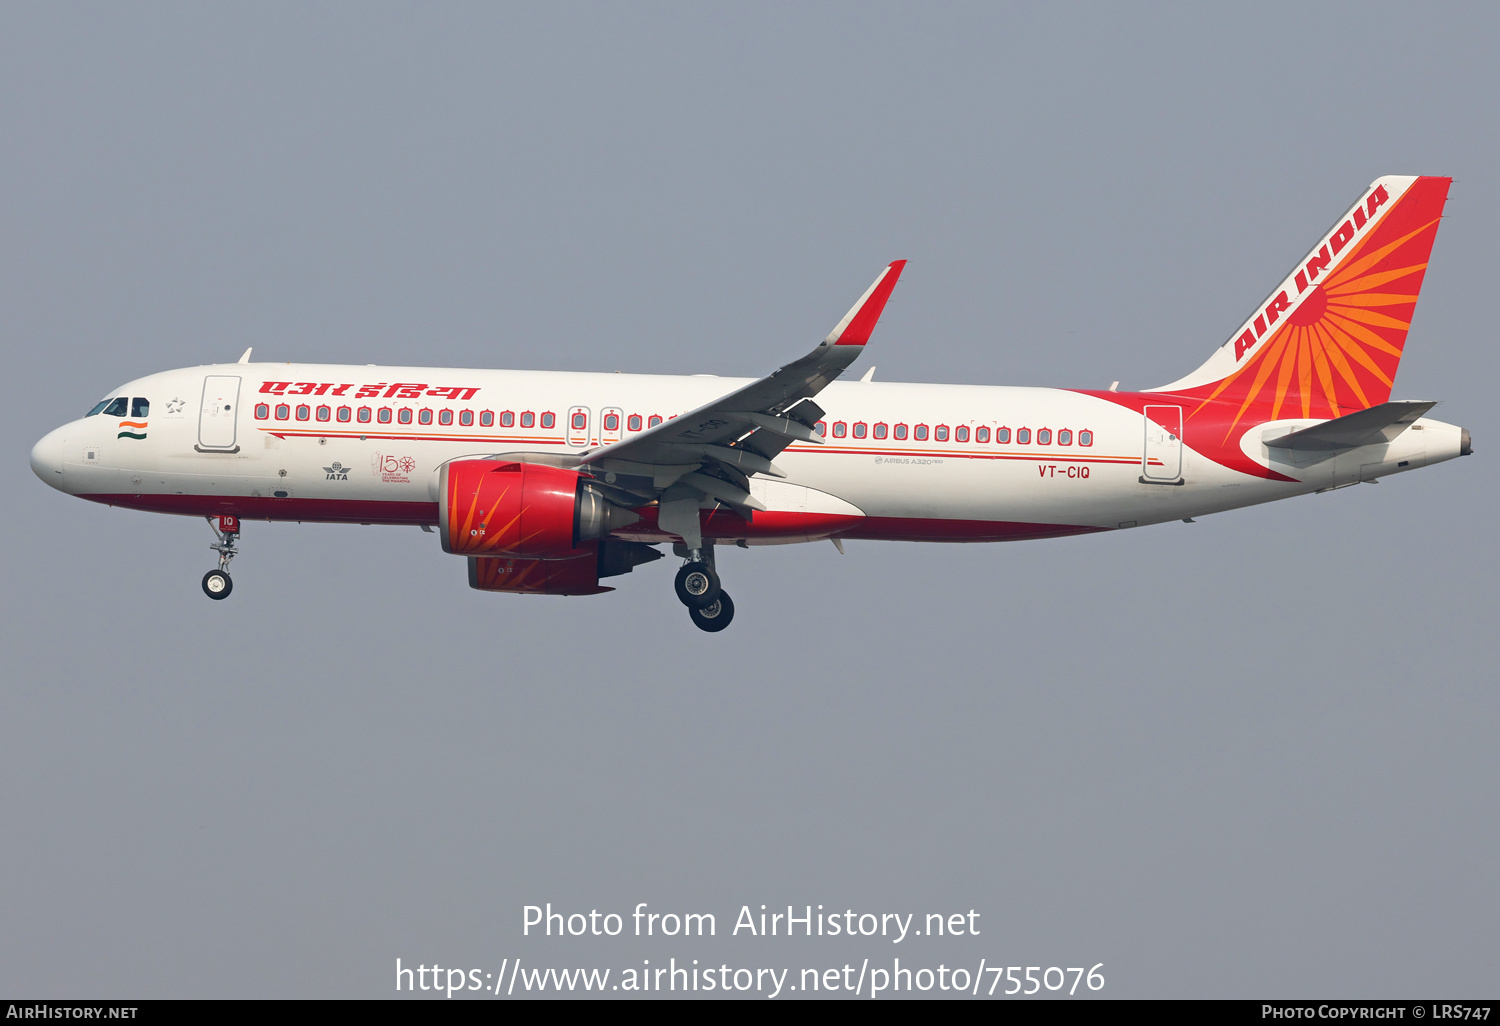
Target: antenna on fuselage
column 245, row 356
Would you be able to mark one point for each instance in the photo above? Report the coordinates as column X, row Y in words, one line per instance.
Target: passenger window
column 425, row 417
column 1064, row 437
column 445, row 417
column 900, row 431
column 580, row 421
column 1043, row 436
column 549, row 420
column 364, row 415
column 283, row 411
column 117, row 407
column 344, row 414
column 528, row 419
column 880, row 430
column 840, row 429
column 633, row 422
column 508, row 419
column 1085, row 438
column 960, row 434
column 1002, row 436
column 655, row 420
column 982, row 434
column 820, row 429
column 324, row 413
column 140, row 408
column 941, row 433
column 920, row 434
column 1023, row 436
column 611, row 422
column 304, row 413
column 384, row 416
column 860, row 429
column 404, row 416
column 466, row 418
column 487, row 419
column 262, row 411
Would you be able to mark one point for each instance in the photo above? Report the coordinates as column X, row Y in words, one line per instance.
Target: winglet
column 859, row 322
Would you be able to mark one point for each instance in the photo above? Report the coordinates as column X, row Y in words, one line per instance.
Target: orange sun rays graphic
column 1346, row 334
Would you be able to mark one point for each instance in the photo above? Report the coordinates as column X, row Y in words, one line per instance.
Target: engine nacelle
column 504, row 508
column 576, row 576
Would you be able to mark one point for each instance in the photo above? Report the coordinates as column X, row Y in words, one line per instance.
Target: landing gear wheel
column 697, row 585
column 217, row 585
column 715, row 616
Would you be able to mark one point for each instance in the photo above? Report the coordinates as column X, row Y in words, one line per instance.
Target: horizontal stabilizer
column 1379, row 423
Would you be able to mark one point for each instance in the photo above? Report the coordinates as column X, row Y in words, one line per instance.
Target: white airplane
column 549, row 482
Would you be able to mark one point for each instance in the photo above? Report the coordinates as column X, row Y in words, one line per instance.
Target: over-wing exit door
column 1161, row 460
column 578, row 426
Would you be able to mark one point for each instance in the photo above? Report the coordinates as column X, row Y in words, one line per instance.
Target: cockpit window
column 101, row 404
column 117, row 407
column 140, row 408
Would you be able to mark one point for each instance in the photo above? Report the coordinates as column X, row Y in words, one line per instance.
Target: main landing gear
column 217, row 583
column 709, row 605
column 715, row 616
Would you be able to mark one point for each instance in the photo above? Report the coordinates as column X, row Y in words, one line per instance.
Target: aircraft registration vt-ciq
column 549, row 483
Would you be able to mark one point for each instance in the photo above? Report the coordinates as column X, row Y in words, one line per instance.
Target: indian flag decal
column 133, row 429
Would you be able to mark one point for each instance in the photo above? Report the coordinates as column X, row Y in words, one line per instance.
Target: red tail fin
column 1329, row 340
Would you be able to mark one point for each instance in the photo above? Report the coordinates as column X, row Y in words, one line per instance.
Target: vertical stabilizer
column 1328, row 339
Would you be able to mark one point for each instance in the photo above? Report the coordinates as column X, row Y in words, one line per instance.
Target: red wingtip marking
column 860, row 327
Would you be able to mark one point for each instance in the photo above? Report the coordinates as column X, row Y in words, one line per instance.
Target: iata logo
column 337, row 472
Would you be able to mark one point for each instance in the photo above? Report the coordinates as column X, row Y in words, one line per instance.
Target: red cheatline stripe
column 966, row 454
column 413, row 437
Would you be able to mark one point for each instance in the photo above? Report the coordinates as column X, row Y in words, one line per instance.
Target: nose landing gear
column 709, row 605
column 217, row 583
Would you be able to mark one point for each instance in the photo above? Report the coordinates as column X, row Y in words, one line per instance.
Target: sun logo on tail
column 1338, row 349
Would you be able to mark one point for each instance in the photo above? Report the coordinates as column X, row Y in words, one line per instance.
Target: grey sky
column 1251, row 756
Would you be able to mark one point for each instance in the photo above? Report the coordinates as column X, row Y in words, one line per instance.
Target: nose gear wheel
column 217, row 585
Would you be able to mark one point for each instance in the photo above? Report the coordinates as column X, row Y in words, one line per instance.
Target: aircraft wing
column 712, row 450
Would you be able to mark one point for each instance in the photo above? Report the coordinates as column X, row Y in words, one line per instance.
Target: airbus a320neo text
column 549, row 483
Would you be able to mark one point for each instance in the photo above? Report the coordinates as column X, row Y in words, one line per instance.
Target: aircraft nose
column 47, row 458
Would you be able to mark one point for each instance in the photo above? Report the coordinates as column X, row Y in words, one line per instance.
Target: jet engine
column 524, row 510
column 576, row 576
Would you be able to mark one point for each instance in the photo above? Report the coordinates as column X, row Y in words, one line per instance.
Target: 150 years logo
column 393, row 469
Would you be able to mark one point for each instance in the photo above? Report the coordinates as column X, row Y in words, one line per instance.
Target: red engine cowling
column 577, row 576
column 528, row 510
